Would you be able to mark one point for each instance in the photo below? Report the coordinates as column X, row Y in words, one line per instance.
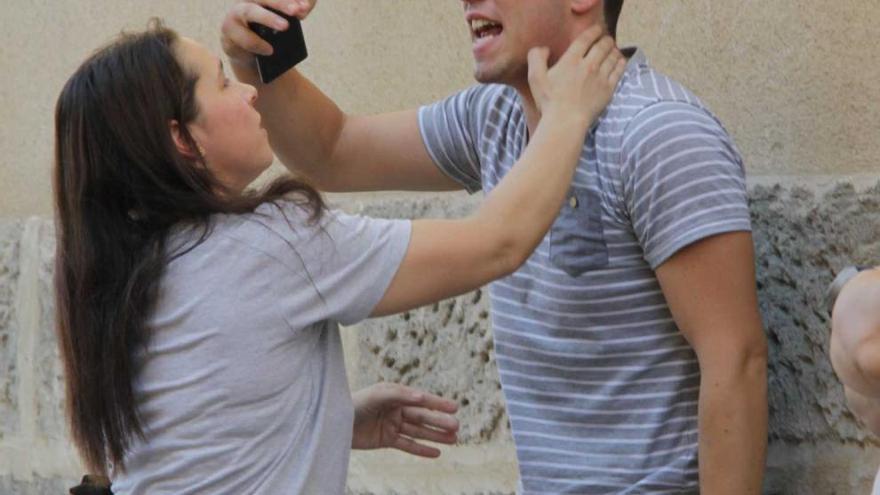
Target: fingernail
column 291, row 8
column 417, row 396
column 282, row 24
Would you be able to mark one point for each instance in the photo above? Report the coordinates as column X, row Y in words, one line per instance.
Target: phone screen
column 289, row 48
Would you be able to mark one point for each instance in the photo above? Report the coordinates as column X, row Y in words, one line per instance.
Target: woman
column 199, row 321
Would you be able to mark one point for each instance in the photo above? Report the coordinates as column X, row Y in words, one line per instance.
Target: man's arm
column 313, row 137
column 710, row 289
column 686, row 194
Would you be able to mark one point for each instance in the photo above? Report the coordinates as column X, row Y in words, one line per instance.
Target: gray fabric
column 243, row 386
column 601, row 386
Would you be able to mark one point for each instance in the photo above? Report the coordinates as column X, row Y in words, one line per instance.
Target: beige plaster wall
column 795, row 81
column 369, row 55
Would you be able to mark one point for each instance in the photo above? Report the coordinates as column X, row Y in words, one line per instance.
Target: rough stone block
column 35, row 486
column 445, row 348
column 822, row 468
column 803, row 236
column 49, row 379
column 802, row 239
column 10, row 238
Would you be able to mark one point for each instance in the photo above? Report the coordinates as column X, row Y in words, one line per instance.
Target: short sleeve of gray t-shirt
column 242, row 386
column 682, row 179
column 348, row 260
column 452, row 130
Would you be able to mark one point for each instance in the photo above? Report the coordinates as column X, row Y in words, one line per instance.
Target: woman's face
column 227, row 128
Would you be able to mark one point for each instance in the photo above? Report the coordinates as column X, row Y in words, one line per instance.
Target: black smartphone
column 289, row 48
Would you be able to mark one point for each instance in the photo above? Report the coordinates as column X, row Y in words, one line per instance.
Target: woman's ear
column 581, row 7
column 183, row 146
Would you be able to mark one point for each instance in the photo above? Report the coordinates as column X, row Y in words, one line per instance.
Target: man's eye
column 225, row 82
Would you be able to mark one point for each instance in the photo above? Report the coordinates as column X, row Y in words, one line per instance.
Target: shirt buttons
column 573, row 202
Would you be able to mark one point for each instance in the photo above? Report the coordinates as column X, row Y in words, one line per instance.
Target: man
column 631, row 340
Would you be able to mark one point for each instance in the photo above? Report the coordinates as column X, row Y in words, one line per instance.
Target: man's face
column 503, row 31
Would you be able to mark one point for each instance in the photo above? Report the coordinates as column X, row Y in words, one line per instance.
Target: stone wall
column 803, row 234
column 35, row 452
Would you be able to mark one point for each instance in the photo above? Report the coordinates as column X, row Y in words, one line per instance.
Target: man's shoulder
column 648, row 86
column 644, row 86
column 646, row 93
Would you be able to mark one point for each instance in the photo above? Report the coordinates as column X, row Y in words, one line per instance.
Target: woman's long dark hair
column 120, row 185
column 612, row 15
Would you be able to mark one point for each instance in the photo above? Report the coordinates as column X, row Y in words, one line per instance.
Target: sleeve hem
column 396, row 251
column 468, row 185
column 667, row 251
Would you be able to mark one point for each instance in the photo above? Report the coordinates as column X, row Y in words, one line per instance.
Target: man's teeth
column 480, row 27
column 481, row 23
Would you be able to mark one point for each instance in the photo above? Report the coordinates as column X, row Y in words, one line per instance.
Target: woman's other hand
column 389, row 415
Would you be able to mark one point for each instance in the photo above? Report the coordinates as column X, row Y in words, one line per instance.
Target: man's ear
column 581, row 7
column 183, row 147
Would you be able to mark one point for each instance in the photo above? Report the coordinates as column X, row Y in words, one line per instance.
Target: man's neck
column 533, row 116
column 530, row 109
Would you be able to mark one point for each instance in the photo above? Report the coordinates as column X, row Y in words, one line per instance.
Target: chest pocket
column 577, row 238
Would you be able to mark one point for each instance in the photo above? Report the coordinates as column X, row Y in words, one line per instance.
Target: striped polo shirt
column 600, row 384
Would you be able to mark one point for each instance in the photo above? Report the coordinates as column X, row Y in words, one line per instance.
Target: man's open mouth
column 484, row 28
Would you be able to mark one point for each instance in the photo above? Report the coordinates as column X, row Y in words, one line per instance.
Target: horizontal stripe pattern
column 601, row 387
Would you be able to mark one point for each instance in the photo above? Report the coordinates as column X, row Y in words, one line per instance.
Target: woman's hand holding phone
column 241, row 43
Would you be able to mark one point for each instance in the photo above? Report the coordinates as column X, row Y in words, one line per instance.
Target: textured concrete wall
column 784, row 75
column 804, row 233
column 10, row 234
column 36, row 456
column 803, row 239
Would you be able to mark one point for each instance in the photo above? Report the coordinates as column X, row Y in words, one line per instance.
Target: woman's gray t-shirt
column 242, row 387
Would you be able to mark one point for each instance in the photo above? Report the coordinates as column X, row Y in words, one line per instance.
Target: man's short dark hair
column 612, row 14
